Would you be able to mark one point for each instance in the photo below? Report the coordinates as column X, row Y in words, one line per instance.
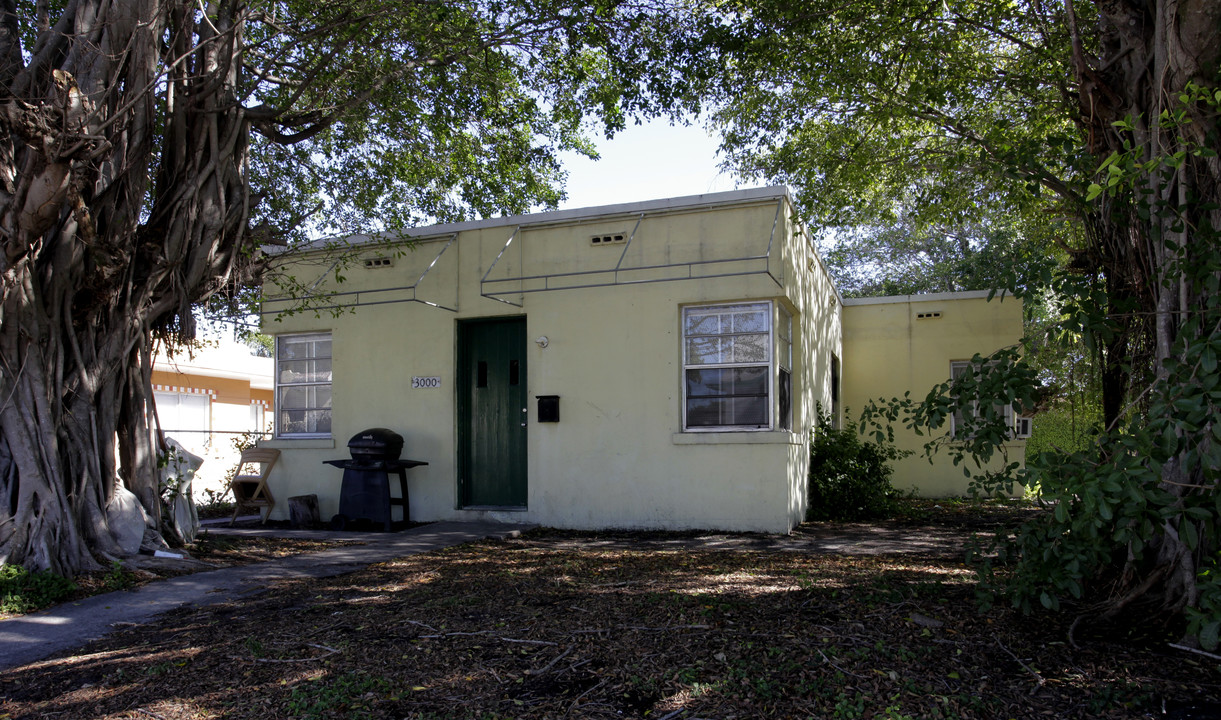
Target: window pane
column 728, row 335
column 258, row 423
column 749, row 411
column 751, row 322
column 196, row 412
column 705, row 351
column 304, row 421
column 705, row 412
column 167, row 409
column 305, row 397
column 714, row 412
column 727, row 349
column 305, row 371
column 182, row 411
column 307, row 346
column 698, row 323
column 749, row 348
column 724, row 319
column 784, row 400
column 727, row 381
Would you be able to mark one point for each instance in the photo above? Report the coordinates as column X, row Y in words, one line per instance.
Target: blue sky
column 647, row 162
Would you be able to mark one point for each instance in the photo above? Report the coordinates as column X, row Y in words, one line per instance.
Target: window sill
column 739, row 437
column 305, row 443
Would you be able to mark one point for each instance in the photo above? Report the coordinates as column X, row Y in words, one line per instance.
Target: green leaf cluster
column 850, row 476
column 947, row 114
column 22, row 591
column 385, row 115
column 1137, row 506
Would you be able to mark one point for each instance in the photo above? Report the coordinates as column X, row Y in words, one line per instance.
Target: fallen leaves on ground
column 532, row 628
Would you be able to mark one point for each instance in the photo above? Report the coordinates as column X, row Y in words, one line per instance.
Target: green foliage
column 1121, row 500
column 117, row 578
column 1141, row 507
column 349, row 695
column 912, row 256
column 849, row 476
column 928, row 124
column 22, row 591
column 449, row 111
column 1064, row 428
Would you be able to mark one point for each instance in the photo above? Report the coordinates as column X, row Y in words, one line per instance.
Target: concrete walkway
column 35, row 636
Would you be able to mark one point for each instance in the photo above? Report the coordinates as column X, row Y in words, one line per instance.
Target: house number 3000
column 425, row 382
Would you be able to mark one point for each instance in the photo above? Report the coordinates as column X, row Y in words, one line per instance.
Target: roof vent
column 379, row 262
column 610, row 239
column 927, row 315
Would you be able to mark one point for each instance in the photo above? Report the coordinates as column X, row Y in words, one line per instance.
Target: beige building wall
column 619, row 456
column 897, row 344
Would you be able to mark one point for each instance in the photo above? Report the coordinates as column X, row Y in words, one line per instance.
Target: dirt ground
column 617, row 625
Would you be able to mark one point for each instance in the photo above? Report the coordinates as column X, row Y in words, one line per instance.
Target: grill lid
column 376, row 443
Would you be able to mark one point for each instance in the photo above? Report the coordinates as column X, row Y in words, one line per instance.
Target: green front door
column 492, row 413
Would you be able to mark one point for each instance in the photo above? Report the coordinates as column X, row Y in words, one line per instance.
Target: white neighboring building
column 209, row 400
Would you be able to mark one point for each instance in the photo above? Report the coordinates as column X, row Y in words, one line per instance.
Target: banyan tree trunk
column 123, row 201
column 1150, row 52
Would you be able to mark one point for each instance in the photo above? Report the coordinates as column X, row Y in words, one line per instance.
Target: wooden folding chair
column 250, row 490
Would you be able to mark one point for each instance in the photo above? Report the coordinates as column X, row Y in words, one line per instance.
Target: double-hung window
column 730, row 368
column 303, row 385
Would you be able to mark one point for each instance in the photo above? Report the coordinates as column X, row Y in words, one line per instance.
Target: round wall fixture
column 542, row 341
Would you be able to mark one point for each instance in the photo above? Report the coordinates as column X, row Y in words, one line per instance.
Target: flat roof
column 573, row 215
column 930, row 297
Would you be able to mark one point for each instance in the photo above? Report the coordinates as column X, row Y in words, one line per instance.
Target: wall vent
column 927, row 315
column 610, row 239
column 380, row 262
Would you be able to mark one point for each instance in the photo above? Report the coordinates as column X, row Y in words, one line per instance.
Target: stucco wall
column 619, row 456
column 889, row 350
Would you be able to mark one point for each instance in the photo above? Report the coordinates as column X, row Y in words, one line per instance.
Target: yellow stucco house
column 893, row 345
column 647, row 365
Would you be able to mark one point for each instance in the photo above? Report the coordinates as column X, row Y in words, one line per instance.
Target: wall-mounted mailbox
column 548, row 408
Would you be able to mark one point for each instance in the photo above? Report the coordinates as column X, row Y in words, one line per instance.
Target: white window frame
column 958, row 366
column 769, row 363
column 281, row 385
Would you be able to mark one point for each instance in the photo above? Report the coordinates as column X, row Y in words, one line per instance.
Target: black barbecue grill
column 365, row 493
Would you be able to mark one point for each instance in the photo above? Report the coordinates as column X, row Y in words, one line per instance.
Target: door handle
column 525, row 410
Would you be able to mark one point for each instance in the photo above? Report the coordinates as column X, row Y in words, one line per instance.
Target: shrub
column 215, row 504
column 849, row 476
column 22, row 591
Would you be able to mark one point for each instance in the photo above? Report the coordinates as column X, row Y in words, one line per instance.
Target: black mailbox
column 548, row 408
